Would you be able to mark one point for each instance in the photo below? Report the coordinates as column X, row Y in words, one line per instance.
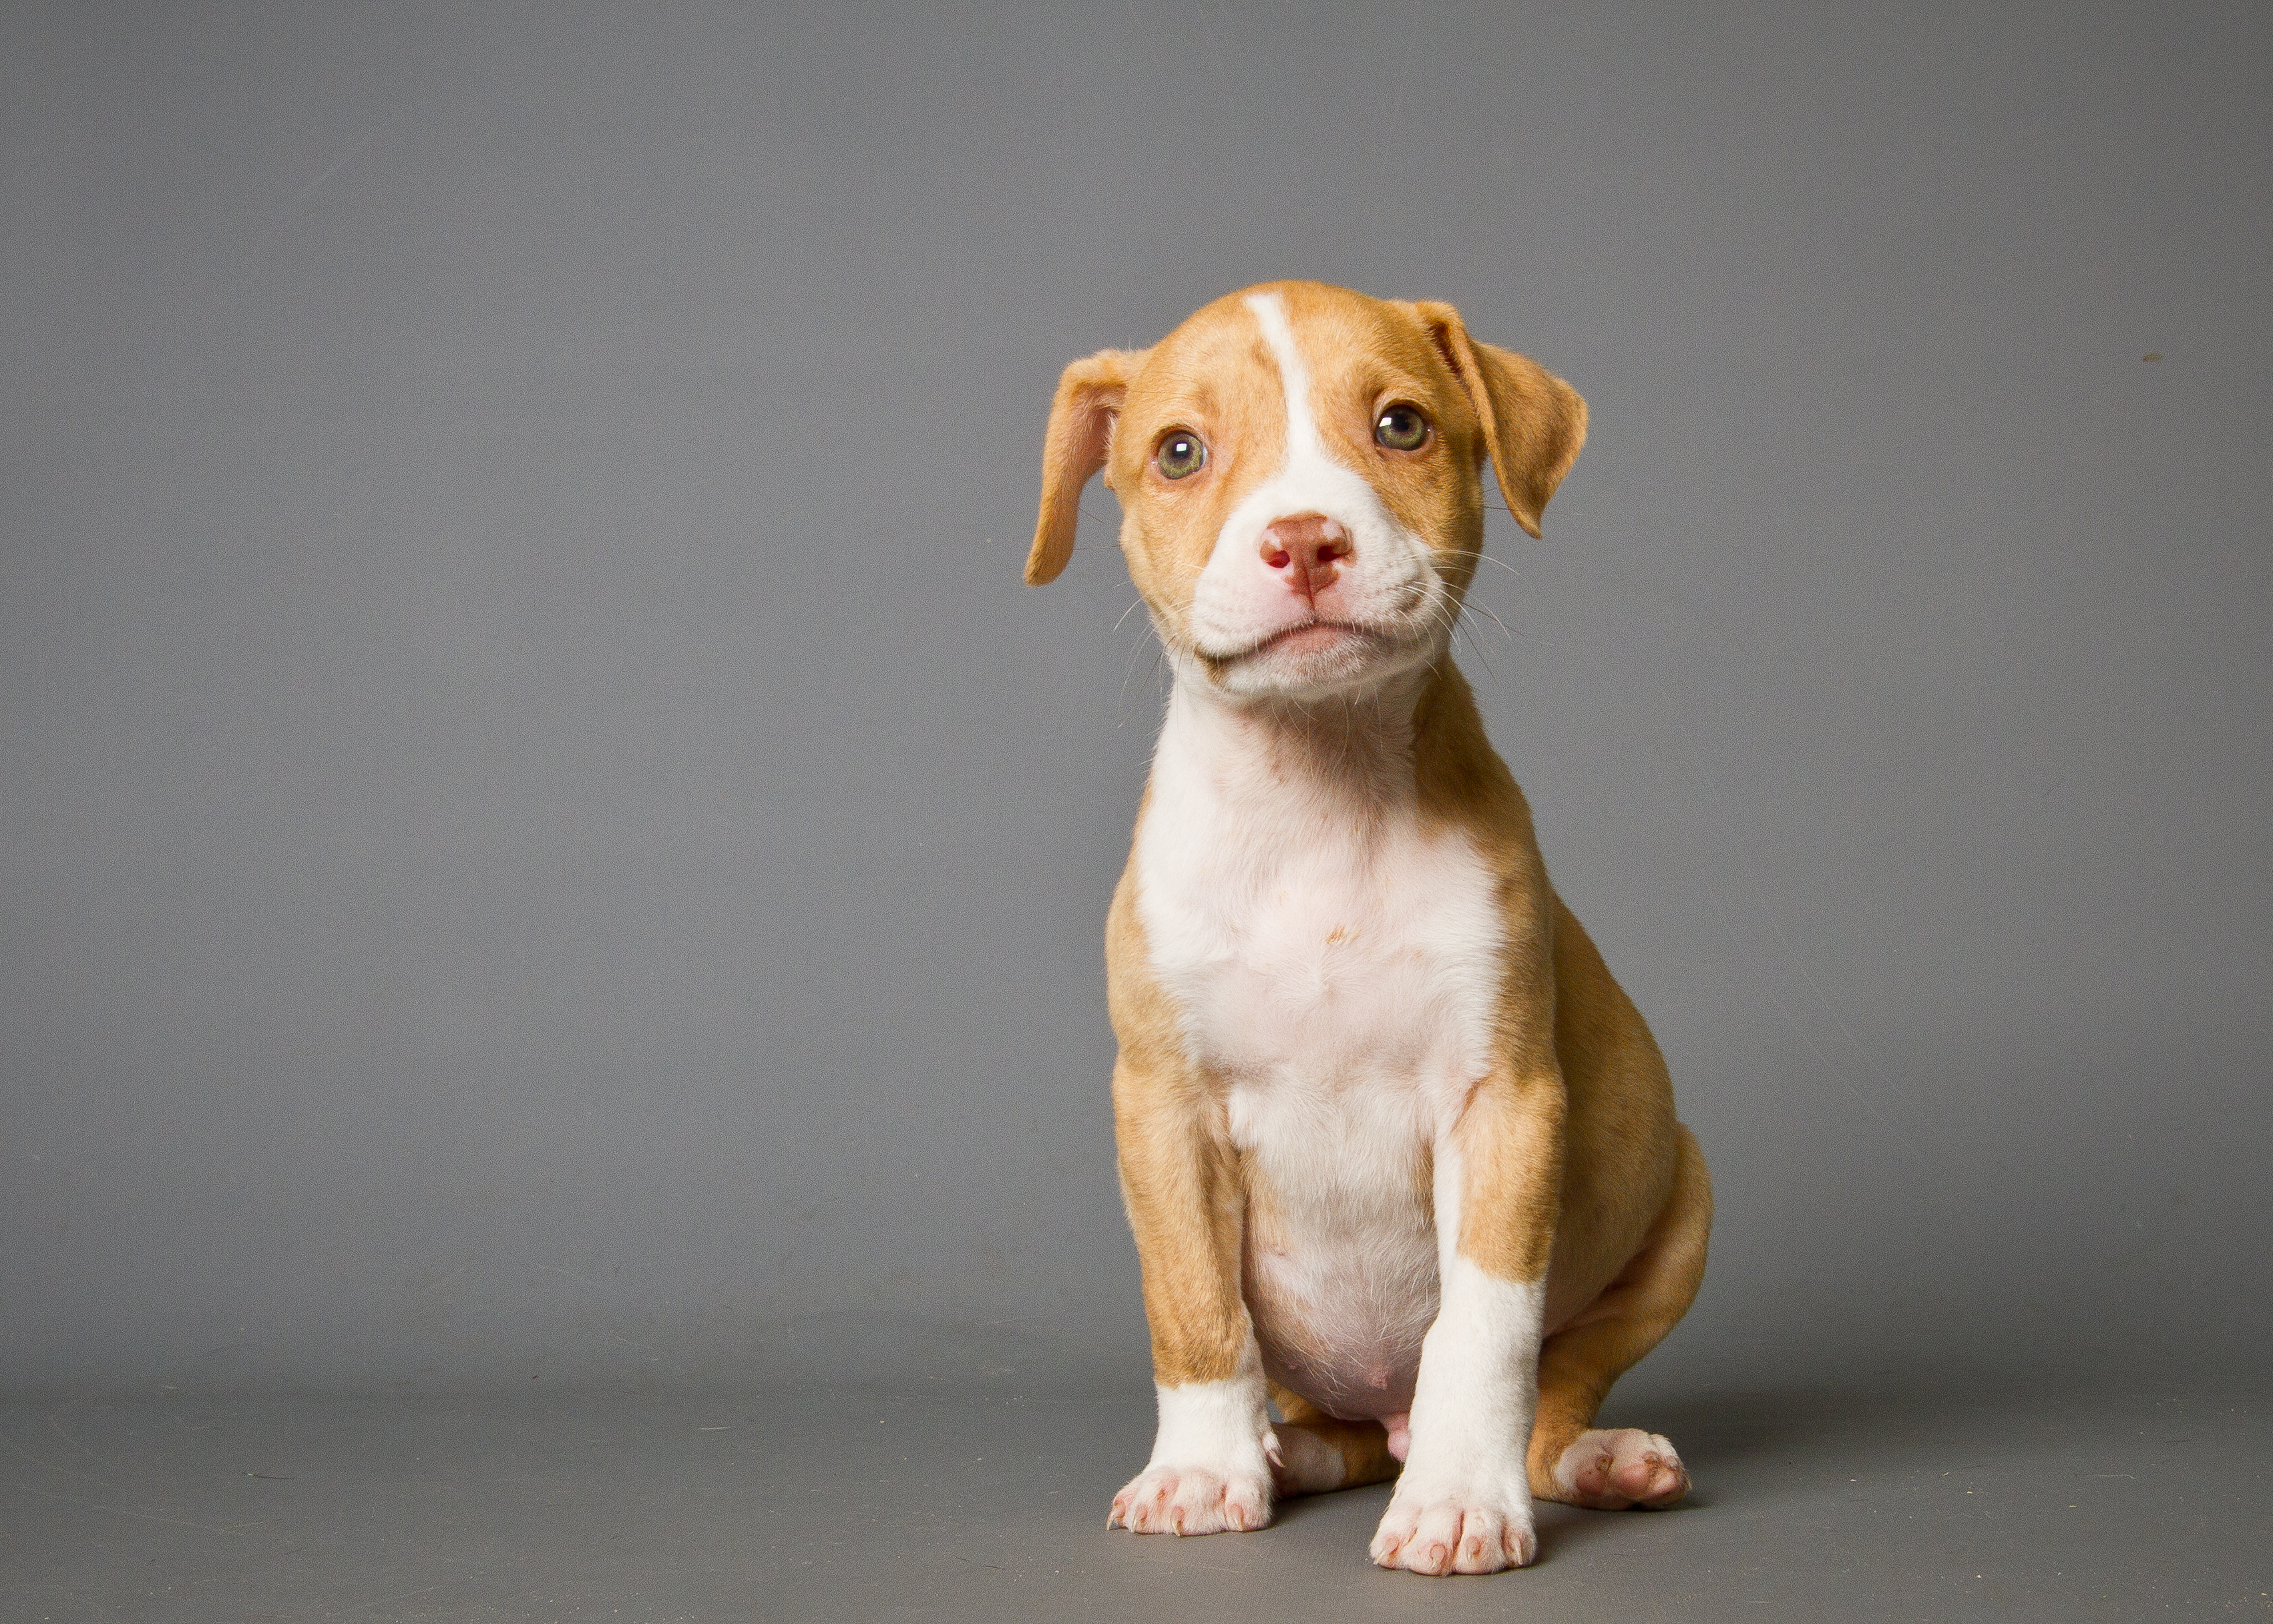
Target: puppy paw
column 1610, row 1470
column 1171, row 1499
column 1478, row 1529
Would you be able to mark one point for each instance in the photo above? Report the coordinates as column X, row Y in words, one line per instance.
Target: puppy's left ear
column 1533, row 421
column 1081, row 417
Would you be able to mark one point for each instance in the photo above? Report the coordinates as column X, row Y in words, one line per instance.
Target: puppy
column 1399, row 1155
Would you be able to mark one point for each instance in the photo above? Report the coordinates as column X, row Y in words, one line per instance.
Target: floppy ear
column 1534, row 422
column 1082, row 416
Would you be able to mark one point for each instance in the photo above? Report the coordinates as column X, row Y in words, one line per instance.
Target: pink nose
column 1304, row 547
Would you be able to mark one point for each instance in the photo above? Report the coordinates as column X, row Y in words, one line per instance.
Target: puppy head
column 1300, row 474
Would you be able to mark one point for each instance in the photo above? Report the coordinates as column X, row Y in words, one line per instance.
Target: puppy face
column 1299, row 472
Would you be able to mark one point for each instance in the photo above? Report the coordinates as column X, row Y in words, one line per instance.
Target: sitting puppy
column 1398, row 1154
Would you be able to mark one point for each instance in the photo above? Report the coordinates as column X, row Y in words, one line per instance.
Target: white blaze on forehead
column 1302, row 441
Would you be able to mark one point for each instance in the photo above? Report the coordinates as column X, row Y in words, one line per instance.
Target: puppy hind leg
column 1570, row 1459
column 1319, row 1453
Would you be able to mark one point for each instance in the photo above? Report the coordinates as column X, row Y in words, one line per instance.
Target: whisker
column 1476, row 552
column 1482, row 659
column 1441, row 617
column 1496, row 620
column 1128, row 670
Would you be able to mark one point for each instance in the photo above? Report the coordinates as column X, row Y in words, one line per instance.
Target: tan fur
column 1626, row 1318
column 1180, row 1176
column 1574, row 1165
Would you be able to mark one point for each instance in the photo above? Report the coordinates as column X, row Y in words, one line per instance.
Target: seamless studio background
column 542, row 839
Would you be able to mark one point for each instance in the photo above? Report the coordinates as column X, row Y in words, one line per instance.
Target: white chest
column 1317, row 939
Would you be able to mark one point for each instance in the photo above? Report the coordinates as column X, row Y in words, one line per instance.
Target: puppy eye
column 1182, row 454
column 1400, row 428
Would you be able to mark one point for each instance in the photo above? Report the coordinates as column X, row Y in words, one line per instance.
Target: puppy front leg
column 1463, row 1504
column 1211, row 1465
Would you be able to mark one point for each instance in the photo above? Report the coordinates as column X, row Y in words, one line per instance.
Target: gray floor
column 1815, row 1505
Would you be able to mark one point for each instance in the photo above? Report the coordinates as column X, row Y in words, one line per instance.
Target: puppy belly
column 1344, row 1333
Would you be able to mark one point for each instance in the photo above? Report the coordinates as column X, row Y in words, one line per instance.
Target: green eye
column 1182, row 454
column 1400, row 428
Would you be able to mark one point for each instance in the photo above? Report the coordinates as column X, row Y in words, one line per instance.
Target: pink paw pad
column 1612, row 1470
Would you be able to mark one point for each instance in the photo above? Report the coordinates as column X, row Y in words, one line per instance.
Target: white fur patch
column 1223, row 1425
column 1479, row 1386
column 1304, row 447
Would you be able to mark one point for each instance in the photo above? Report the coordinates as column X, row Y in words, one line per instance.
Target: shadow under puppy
column 1398, row 1154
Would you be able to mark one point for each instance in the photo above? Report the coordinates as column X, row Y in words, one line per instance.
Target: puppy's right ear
column 1081, row 417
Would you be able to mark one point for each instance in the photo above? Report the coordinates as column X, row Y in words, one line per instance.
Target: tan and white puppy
column 1398, row 1154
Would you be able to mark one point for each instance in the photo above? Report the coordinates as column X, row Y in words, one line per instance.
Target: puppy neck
column 1334, row 748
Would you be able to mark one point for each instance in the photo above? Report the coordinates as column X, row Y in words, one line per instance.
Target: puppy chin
column 1315, row 662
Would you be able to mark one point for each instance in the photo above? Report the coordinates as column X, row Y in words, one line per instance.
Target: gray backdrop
column 541, row 837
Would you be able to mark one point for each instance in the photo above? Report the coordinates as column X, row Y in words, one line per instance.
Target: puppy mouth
column 1313, row 637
